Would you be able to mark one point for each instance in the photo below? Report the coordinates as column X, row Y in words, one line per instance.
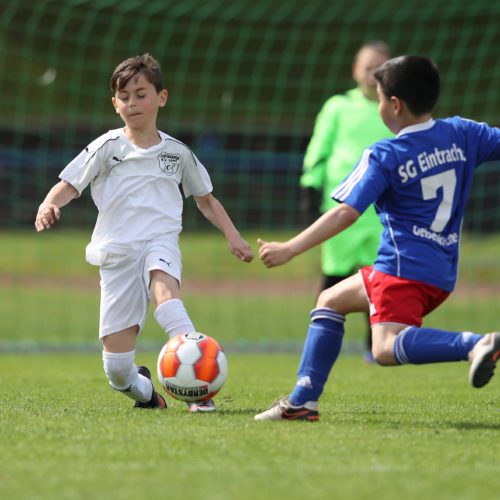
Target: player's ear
column 113, row 100
column 397, row 104
column 163, row 98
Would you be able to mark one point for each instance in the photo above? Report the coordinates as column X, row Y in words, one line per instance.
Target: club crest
column 169, row 163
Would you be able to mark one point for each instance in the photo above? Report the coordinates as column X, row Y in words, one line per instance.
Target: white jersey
column 136, row 190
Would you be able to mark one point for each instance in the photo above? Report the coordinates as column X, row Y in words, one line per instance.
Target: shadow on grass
column 471, row 426
column 394, row 421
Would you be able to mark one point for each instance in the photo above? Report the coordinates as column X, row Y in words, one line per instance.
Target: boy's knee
column 119, row 368
column 326, row 299
column 383, row 337
column 383, row 355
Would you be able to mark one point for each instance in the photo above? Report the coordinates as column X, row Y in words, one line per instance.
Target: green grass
column 50, row 295
column 61, row 252
column 410, row 432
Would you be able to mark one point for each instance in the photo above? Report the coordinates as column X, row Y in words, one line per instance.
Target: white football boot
column 284, row 409
column 483, row 358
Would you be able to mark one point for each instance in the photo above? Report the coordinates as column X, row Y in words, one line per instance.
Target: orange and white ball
column 192, row 367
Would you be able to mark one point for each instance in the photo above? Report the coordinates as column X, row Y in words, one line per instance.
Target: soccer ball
column 192, row 367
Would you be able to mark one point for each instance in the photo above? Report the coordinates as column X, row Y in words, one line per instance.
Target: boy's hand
column 273, row 253
column 50, row 210
column 240, row 248
column 47, row 214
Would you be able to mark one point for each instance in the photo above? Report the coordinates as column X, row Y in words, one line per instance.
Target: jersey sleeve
column 195, row 179
column 320, row 146
column 81, row 170
column 483, row 140
column 367, row 181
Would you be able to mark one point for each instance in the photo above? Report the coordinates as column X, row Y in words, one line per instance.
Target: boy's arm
column 48, row 212
column 329, row 224
column 214, row 212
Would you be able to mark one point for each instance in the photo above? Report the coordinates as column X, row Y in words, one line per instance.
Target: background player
column 134, row 173
column 419, row 183
column 345, row 126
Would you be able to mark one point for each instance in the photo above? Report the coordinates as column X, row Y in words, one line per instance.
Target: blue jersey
column 419, row 183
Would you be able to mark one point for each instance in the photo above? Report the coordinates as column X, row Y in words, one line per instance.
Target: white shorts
column 125, row 281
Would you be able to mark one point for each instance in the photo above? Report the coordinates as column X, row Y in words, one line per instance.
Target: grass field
column 49, row 295
column 411, row 432
column 408, row 432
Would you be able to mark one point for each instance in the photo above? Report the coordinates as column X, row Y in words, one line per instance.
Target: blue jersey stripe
column 348, row 185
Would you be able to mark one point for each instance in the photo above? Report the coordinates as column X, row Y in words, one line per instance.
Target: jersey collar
column 163, row 138
column 417, row 128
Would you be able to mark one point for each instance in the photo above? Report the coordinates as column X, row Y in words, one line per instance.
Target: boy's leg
column 119, row 365
column 430, row 345
column 124, row 302
column 170, row 312
column 325, row 335
column 399, row 344
column 397, row 306
column 321, row 349
column 396, row 345
column 172, row 316
column 331, row 280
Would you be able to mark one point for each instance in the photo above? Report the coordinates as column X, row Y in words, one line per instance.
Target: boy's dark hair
column 145, row 65
column 414, row 79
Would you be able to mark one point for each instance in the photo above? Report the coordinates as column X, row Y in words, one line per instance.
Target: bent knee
column 324, row 300
column 384, row 355
column 120, row 369
column 345, row 297
column 331, row 299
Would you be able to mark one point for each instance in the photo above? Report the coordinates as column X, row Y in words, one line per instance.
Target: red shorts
column 399, row 300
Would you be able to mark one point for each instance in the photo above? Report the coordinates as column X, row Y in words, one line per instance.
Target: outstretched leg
column 397, row 345
column 321, row 349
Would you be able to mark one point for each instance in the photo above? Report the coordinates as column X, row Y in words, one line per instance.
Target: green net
column 246, row 79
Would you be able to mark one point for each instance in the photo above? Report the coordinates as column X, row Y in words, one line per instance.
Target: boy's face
column 137, row 103
column 367, row 61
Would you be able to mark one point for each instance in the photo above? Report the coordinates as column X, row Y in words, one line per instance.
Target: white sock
column 122, row 374
column 173, row 317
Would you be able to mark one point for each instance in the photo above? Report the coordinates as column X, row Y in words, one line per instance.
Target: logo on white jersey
column 169, row 163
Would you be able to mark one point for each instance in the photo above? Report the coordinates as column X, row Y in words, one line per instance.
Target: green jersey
column 346, row 125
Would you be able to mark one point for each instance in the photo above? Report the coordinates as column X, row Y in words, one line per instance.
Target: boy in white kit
column 134, row 173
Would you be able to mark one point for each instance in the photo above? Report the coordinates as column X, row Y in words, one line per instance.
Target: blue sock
column 429, row 345
column 321, row 349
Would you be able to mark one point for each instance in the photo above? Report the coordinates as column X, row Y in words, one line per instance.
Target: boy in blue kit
column 419, row 183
